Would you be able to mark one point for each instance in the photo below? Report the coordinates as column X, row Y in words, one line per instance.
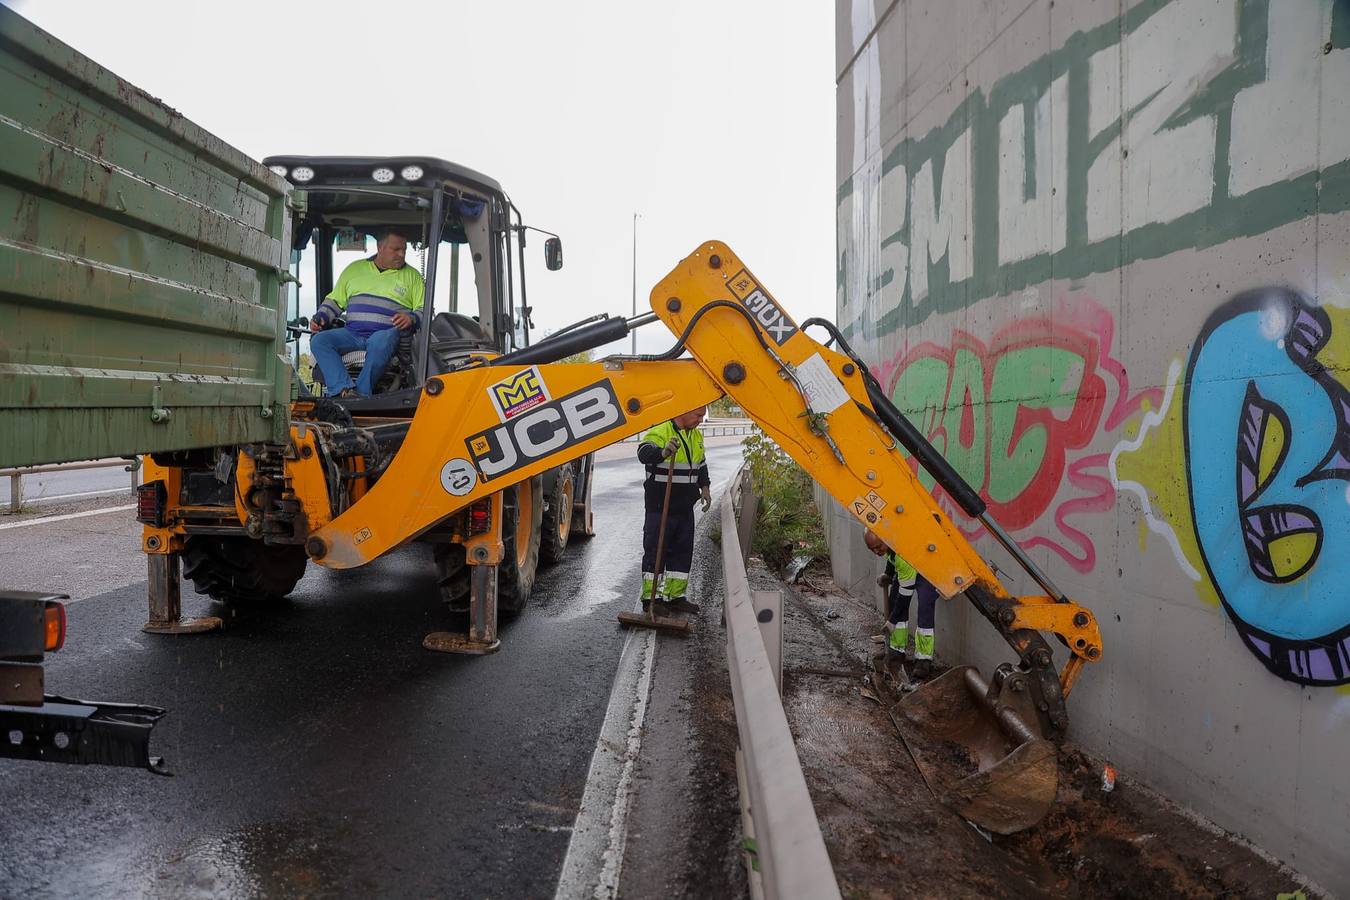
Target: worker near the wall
column 380, row 298
column 680, row 440
column 902, row 583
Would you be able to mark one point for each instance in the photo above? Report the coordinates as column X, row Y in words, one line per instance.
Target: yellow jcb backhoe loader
column 348, row 489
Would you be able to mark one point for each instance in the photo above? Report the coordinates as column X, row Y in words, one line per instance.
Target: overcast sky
column 709, row 119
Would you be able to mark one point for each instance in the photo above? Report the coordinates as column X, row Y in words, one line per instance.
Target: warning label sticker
column 823, row 390
column 864, row 511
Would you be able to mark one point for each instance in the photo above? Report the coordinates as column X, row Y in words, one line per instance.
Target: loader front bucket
column 980, row 753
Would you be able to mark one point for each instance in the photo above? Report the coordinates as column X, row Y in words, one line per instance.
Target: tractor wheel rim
column 524, row 522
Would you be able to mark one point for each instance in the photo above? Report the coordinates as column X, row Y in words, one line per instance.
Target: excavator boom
column 484, row 428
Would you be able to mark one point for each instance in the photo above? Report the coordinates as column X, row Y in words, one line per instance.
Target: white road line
column 79, row 515
column 594, row 857
column 47, row 499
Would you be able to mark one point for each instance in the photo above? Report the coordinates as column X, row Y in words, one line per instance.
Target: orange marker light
column 54, row 620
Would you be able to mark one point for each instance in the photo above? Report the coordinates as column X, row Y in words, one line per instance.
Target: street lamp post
column 634, row 333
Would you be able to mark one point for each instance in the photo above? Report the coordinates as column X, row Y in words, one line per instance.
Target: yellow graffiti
column 1336, row 354
column 1156, row 462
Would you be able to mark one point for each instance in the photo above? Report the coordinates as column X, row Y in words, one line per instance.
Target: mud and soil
column 889, row 837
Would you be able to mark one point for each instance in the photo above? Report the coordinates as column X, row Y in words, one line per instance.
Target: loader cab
column 464, row 235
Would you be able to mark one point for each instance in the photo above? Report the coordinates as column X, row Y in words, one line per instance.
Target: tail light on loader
column 151, row 498
column 480, row 517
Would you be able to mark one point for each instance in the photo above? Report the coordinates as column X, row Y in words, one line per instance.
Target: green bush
column 788, row 523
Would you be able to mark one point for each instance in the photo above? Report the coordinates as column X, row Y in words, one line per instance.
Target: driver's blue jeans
column 328, row 347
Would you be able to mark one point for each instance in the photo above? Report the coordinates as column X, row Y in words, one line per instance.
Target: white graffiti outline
column 1155, row 524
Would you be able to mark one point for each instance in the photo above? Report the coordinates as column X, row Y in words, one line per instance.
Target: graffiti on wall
column 1136, row 138
column 1259, row 513
column 1012, row 413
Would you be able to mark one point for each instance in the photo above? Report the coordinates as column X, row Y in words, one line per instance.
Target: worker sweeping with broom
column 677, row 477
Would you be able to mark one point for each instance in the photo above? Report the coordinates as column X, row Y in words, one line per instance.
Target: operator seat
column 454, row 338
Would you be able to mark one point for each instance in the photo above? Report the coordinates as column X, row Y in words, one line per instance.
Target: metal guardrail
column 714, row 428
column 775, row 804
column 16, row 476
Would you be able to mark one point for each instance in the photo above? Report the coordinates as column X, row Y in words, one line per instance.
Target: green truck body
column 142, row 269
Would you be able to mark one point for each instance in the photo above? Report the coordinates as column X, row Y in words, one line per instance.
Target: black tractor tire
column 556, row 526
column 522, row 521
column 240, row 571
column 452, row 575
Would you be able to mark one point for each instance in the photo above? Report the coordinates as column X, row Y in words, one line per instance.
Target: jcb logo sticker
column 521, row 392
column 764, row 308
column 546, row 429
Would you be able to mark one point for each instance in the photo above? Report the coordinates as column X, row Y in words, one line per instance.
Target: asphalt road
column 317, row 749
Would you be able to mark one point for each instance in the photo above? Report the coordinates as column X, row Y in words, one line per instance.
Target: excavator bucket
column 980, row 749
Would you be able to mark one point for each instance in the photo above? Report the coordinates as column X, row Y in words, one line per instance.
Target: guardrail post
column 15, row 493
column 745, row 526
column 769, row 614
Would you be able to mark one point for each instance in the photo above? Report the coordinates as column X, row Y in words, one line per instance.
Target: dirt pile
column 888, row 836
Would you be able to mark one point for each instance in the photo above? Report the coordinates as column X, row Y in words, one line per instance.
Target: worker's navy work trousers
column 900, row 595
column 677, row 553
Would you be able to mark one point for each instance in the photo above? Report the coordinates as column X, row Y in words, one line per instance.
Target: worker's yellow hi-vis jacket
column 691, row 465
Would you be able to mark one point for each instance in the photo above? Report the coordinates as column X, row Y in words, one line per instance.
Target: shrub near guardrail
column 788, row 523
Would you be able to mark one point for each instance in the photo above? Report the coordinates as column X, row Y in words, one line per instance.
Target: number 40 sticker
column 458, row 477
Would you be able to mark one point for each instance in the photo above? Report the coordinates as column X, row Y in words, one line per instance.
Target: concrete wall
column 1100, row 253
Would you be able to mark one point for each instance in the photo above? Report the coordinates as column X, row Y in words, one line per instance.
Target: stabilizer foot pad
column 455, row 642
column 189, row 625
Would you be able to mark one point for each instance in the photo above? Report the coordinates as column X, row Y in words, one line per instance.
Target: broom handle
column 661, row 535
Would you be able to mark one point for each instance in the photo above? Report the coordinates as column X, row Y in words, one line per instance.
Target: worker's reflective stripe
column 900, row 637
column 923, row 643
column 675, row 479
column 647, row 585
column 905, row 586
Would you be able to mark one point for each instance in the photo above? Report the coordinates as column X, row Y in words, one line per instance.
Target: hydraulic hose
column 561, row 346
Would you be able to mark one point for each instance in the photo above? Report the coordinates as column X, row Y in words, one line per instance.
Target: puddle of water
column 257, row 860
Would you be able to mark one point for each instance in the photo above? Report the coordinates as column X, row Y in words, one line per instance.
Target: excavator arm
column 481, row 429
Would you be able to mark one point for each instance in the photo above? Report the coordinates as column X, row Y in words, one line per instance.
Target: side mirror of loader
column 553, row 253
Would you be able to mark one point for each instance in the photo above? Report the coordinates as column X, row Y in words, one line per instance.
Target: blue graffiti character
column 1267, row 430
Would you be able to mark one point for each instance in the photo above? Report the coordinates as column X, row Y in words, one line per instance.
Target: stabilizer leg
column 166, row 600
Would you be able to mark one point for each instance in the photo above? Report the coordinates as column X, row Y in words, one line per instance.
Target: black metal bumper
column 80, row 731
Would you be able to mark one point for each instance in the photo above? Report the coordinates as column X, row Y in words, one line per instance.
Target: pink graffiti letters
column 1009, row 414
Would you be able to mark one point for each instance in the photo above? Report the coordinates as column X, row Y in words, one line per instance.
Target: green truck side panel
column 141, row 263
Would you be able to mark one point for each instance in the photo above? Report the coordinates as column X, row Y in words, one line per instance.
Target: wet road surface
column 317, row 749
